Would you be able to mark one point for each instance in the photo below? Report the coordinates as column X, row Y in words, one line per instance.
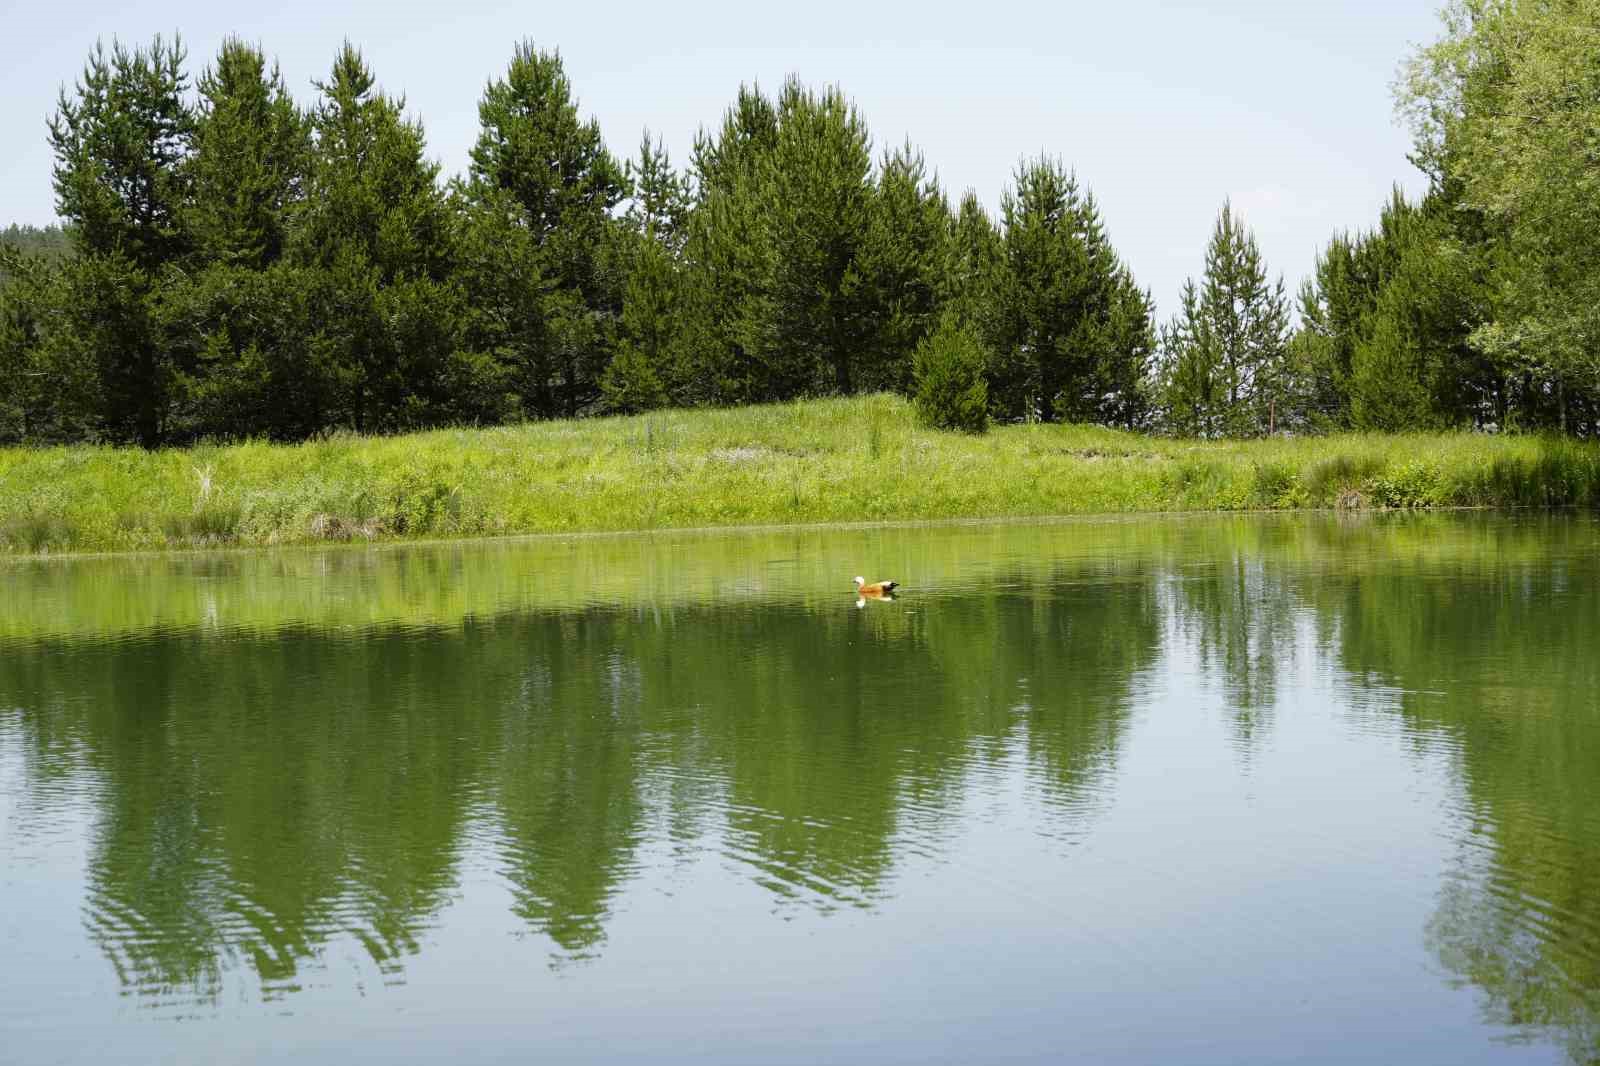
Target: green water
column 1211, row 790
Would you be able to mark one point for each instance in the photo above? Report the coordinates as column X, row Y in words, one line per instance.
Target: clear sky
column 1164, row 109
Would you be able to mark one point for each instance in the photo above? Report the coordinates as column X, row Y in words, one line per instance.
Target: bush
column 951, row 392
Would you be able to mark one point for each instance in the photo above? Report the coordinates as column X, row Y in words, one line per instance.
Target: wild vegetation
column 842, row 460
column 237, row 264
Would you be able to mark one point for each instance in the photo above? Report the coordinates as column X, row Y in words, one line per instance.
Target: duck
column 877, row 588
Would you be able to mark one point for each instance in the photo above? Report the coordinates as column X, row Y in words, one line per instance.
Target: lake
column 1206, row 790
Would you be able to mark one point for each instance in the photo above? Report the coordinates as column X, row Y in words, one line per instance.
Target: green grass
column 851, row 460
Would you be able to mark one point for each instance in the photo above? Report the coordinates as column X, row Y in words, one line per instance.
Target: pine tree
column 659, row 209
column 1126, row 356
column 1413, row 365
column 1190, row 392
column 376, row 229
column 902, row 259
column 251, row 150
column 542, row 180
column 728, row 257
column 646, row 369
column 240, row 316
column 1227, row 354
column 372, row 192
column 974, row 257
column 1387, row 318
column 948, row 370
column 1067, row 329
column 120, row 144
column 817, row 199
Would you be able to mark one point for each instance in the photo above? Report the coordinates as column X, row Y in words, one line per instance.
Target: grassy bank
column 861, row 459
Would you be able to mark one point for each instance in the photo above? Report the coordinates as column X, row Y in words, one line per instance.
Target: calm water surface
column 1240, row 790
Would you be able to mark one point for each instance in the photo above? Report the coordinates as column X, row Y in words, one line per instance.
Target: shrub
column 1412, row 484
column 1275, row 484
column 951, row 392
column 1330, row 479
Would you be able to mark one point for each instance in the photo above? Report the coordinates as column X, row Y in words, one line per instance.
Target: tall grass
column 846, row 460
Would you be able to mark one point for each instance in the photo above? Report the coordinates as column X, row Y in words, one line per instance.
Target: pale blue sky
column 1164, row 109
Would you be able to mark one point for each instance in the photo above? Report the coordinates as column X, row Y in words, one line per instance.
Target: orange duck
column 876, row 590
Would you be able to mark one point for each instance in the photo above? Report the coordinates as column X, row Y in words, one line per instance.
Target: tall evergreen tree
column 817, row 199
column 1226, row 352
column 1071, row 331
column 647, row 369
column 540, row 190
column 1413, row 365
column 372, row 193
column 660, row 196
column 241, row 315
column 251, row 150
column 1386, row 321
column 1191, row 387
column 902, row 261
column 121, row 141
column 376, row 227
column 728, row 256
column 974, row 258
column 643, row 372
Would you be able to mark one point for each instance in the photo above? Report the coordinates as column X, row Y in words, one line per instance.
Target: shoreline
column 999, row 521
column 841, row 463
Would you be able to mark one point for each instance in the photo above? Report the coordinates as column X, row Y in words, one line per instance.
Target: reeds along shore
column 843, row 460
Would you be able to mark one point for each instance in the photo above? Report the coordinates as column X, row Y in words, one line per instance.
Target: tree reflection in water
column 265, row 787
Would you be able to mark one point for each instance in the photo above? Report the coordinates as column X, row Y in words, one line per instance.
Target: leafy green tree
column 1504, row 107
column 1227, row 350
column 539, row 193
column 1072, row 333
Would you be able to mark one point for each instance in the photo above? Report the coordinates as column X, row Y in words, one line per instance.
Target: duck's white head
column 860, row 581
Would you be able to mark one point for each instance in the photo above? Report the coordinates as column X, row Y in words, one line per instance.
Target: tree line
column 234, row 264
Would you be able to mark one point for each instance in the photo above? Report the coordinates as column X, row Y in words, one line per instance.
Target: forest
column 235, row 264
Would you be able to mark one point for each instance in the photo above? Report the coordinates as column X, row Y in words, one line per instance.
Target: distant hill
column 52, row 242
